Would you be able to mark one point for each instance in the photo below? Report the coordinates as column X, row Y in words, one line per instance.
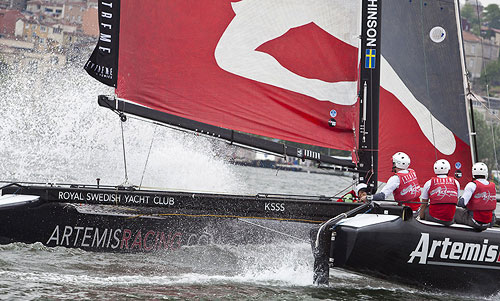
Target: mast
column 369, row 87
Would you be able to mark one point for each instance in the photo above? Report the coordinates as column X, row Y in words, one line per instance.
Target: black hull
column 119, row 220
column 463, row 260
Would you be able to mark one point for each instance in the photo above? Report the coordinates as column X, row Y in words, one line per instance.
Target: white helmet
column 442, row 167
column 401, row 160
column 360, row 186
column 480, row 169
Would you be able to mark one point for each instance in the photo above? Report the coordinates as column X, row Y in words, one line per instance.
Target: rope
column 147, row 158
column 484, row 106
column 275, row 231
column 433, row 137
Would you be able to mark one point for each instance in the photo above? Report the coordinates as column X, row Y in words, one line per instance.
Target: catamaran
column 294, row 70
column 422, row 45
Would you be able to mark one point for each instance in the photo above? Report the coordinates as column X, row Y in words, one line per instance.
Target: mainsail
column 423, row 107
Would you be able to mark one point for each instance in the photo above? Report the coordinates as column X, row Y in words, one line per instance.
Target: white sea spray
column 53, row 130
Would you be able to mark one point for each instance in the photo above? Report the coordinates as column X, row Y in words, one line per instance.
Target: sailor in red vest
column 403, row 185
column 479, row 200
column 353, row 196
column 441, row 192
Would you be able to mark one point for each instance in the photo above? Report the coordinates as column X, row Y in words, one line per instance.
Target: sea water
column 52, row 130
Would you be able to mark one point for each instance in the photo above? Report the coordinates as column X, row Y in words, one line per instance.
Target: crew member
column 478, row 201
column 403, row 184
column 441, row 192
column 354, row 195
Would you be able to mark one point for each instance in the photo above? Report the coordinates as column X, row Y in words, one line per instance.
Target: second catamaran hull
column 418, row 253
column 117, row 220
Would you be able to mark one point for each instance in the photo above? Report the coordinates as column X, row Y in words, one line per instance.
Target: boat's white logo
column 115, row 239
column 440, row 192
column 127, row 199
column 486, row 196
column 413, row 190
column 454, row 253
column 140, row 240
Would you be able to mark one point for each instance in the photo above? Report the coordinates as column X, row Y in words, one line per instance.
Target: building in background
column 8, row 18
column 479, row 52
column 40, row 33
column 19, row 5
column 46, row 8
column 90, row 26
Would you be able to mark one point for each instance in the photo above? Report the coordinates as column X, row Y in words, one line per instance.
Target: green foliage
column 491, row 74
column 491, row 16
column 469, row 13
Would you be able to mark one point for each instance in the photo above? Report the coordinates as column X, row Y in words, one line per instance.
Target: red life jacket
column 443, row 198
column 408, row 189
column 443, row 191
column 483, row 202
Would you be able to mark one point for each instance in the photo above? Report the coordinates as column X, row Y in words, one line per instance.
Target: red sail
column 271, row 68
column 412, row 141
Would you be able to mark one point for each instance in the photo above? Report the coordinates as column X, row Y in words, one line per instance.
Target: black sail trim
column 103, row 62
column 222, row 133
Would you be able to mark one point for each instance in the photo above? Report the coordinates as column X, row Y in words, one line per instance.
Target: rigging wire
column 147, row 158
column 275, row 231
column 487, row 86
column 487, row 109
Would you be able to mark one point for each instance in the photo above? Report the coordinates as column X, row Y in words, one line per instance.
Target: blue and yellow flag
column 370, row 58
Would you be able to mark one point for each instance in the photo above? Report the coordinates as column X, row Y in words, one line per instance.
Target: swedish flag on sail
column 370, row 58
